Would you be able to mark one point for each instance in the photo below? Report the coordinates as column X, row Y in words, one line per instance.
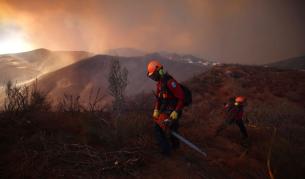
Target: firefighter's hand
column 174, row 115
column 156, row 113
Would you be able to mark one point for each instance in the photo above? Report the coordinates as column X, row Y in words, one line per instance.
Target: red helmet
column 240, row 99
column 153, row 66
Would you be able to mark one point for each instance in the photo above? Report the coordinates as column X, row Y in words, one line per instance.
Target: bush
column 276, row 112
column 69, row 103
column 23, row 99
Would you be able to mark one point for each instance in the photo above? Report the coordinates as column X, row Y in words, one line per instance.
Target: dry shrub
column 98, row 132
column 69, row 103
column 287, row 157
column 287, row 117
column 275, row 112
column 134, row 124
column 41, row 156
column 25, row 99
column 63, row 145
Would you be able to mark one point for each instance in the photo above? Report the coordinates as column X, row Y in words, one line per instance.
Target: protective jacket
column 234, row 112
column 170, row 95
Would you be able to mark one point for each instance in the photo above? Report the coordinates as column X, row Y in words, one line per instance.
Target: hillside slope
column 276, row 127
column 125, row 52
column 292, row 63
column 21, row 67
column 92, row 73
column 52, row 145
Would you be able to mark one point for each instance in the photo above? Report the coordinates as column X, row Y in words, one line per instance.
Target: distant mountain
column 131, row 52
column 77, row 72
column 292, row 63
column 185, row 58
column 92, row 73
column 21, row 67
column 125, row 52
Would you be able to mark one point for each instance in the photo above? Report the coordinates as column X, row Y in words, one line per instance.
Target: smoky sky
column 238, row 31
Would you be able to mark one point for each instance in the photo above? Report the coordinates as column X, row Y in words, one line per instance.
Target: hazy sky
column 243, row 31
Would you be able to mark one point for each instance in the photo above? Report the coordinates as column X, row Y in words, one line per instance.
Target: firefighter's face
column 155, row 76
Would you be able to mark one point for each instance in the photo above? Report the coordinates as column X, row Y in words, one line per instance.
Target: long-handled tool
column 188, row 143
column 167, row 123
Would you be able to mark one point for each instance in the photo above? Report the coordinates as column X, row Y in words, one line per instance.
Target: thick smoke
column 243, row 31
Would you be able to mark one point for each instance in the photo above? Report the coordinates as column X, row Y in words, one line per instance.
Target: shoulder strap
column 164, row 81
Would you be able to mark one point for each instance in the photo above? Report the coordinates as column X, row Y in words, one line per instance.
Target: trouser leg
column 242, row 128
column 161, row 139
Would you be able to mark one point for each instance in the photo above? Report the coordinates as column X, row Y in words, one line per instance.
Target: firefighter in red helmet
column 234, row 111
column 168, row 106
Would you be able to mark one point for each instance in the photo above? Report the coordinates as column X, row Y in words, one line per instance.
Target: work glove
column 174, row 115
column 156, row 113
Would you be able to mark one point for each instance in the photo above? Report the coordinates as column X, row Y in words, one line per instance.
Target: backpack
column 233, row 112
column 187, row 95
